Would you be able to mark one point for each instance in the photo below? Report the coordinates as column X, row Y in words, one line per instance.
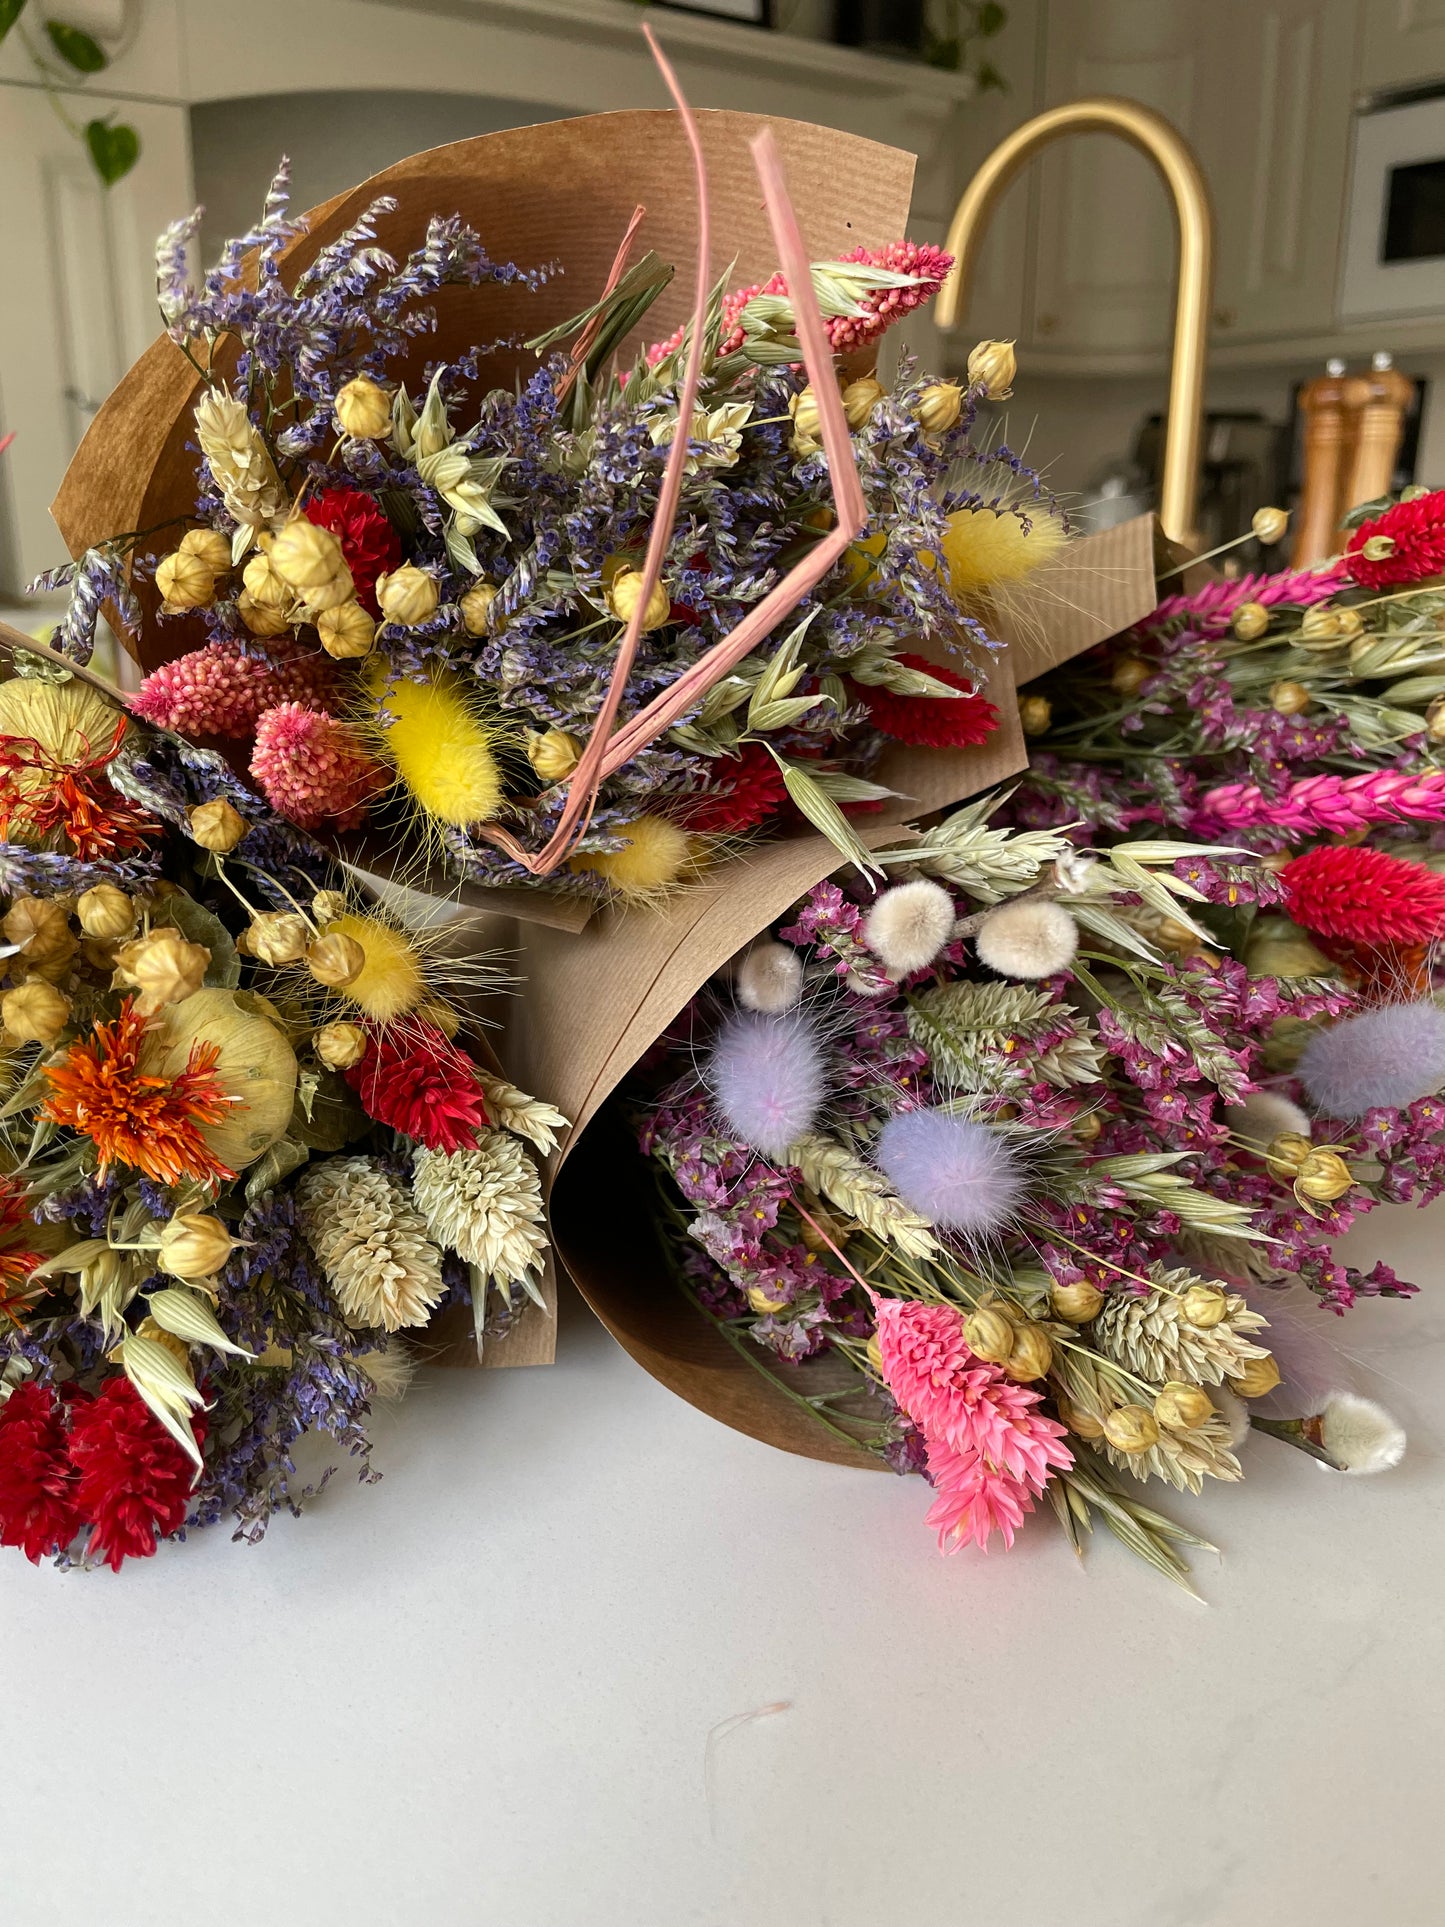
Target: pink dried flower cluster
column 928, row 264
column 1327, row 805
column 1211, row 609
column 219, row 691
column 313, row 769
column 991, row 1451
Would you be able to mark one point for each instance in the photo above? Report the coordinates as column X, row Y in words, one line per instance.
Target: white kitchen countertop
column 482, row 1692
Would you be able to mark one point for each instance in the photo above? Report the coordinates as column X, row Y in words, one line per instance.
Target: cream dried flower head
column 241, row 466
column 1152, row 1337
column 371, row 1242
column 485, row 1204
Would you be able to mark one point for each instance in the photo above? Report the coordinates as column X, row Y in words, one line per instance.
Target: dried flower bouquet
column 992, row 1187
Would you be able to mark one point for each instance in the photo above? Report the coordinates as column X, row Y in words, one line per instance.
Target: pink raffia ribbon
column 1328, row 805
column 607, row 751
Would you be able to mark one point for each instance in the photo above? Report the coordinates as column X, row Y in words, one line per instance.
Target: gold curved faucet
column 1174, row 158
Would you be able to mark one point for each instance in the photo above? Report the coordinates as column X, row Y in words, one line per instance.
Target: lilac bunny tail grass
column 767, row 1078
column 960, row 1175
column 1385, row 1058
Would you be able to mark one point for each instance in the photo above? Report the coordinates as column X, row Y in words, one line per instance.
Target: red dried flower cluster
column 112, row 1467
column 42, row 795
column 414, row 1079
column 930, row 722
column 134, row 1482
column 750, row 791
column 1417, row 530
column 1363, row 896
column 370, row 544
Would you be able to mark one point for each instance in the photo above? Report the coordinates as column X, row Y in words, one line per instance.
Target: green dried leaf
column 824, row 815
column 284, row 1157
column 10, row 12
column 200, row 925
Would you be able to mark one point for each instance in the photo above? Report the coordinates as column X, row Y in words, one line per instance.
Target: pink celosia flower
column 1211, row 609
column 219, row 691
column 993, row 1447
column 312, row 768
column 884, row 306
column 215, row 691
column 1329, row 805
column 974, row 1499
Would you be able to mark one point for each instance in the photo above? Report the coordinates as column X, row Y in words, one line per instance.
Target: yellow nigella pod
column 656, row 853
column 440, row 747
column 391, row 981
column 983, row 548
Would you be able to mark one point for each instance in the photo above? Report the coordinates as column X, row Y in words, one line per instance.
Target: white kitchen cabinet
column 1402, row 43
column 1274, row 138
column 80, row 301
column 1263, row 91
column 1104, row 237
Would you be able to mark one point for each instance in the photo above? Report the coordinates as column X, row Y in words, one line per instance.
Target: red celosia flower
column 1364, row 896
column 313, row 768
column 38, row 1511
column 933, row 722
column 134, row 1483
column 1417, row 530
column 369, row 543
column 220, row 691
column 41, row 795
column 150, row 1123
column 416, row 1080
column 750, row 790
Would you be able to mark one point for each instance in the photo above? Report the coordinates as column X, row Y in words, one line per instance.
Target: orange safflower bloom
column 150, row 1123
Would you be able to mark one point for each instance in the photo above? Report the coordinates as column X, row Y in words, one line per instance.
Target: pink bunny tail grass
column 1211, row 609
column 962, row 1403
column 1326, row 805
column 767, row 1079
column 962, row 1176
column 312, row 769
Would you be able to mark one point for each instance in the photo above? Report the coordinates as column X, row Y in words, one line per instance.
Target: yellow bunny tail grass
column 441, row 747
column 984, row 547
column 657, row 853
column 392, row 981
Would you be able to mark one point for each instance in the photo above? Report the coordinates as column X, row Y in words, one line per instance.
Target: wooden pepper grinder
column 1328, row 460
column 1379, row 402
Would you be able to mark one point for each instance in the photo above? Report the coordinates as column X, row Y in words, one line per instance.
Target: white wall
column 333, row 140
